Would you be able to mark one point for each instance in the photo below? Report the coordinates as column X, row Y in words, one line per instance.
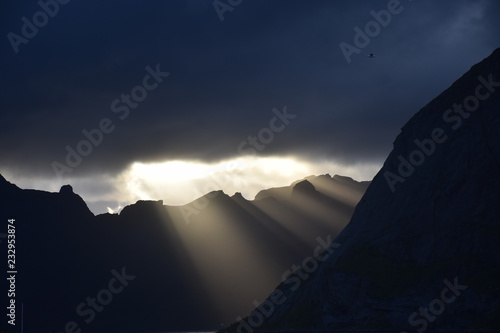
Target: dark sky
column 226, row 77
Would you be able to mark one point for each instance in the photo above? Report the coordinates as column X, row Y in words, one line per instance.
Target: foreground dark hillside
column 422, row 250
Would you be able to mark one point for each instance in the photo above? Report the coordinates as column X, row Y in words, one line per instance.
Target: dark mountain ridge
column 341, row 188
column 182, row 258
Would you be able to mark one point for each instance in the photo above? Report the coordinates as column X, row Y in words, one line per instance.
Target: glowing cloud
column 180, row 182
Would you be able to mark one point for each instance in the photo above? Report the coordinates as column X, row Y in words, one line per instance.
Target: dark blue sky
column 226, row 77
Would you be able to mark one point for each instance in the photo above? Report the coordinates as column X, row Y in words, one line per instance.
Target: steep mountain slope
column 421, row 251
column 189, row 267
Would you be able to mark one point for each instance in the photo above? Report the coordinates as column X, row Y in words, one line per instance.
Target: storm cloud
column 225, row 78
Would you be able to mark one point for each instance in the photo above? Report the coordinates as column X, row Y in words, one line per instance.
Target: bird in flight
column 371, row 55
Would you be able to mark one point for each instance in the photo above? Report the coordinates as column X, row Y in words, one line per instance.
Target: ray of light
column 226, row 253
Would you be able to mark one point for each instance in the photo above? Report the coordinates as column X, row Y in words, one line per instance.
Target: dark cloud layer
column 226, row 77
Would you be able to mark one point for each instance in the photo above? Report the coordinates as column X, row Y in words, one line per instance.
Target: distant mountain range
column 155, row 267
column 422, row 250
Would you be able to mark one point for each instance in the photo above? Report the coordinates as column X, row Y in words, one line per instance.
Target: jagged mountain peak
column 343, row 178
column 66, row 189
column 304, row 186
column 237, row 195
column 330, row 185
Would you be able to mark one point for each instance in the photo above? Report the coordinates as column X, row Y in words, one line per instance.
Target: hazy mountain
column 180, row 268
column 342, row 189
column 421, row 251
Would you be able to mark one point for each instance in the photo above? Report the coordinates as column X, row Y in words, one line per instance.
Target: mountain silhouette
column 421, row 251
column 343, row 189
column 191, row 267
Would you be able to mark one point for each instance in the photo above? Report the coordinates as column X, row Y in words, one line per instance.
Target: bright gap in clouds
column 181, row 182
